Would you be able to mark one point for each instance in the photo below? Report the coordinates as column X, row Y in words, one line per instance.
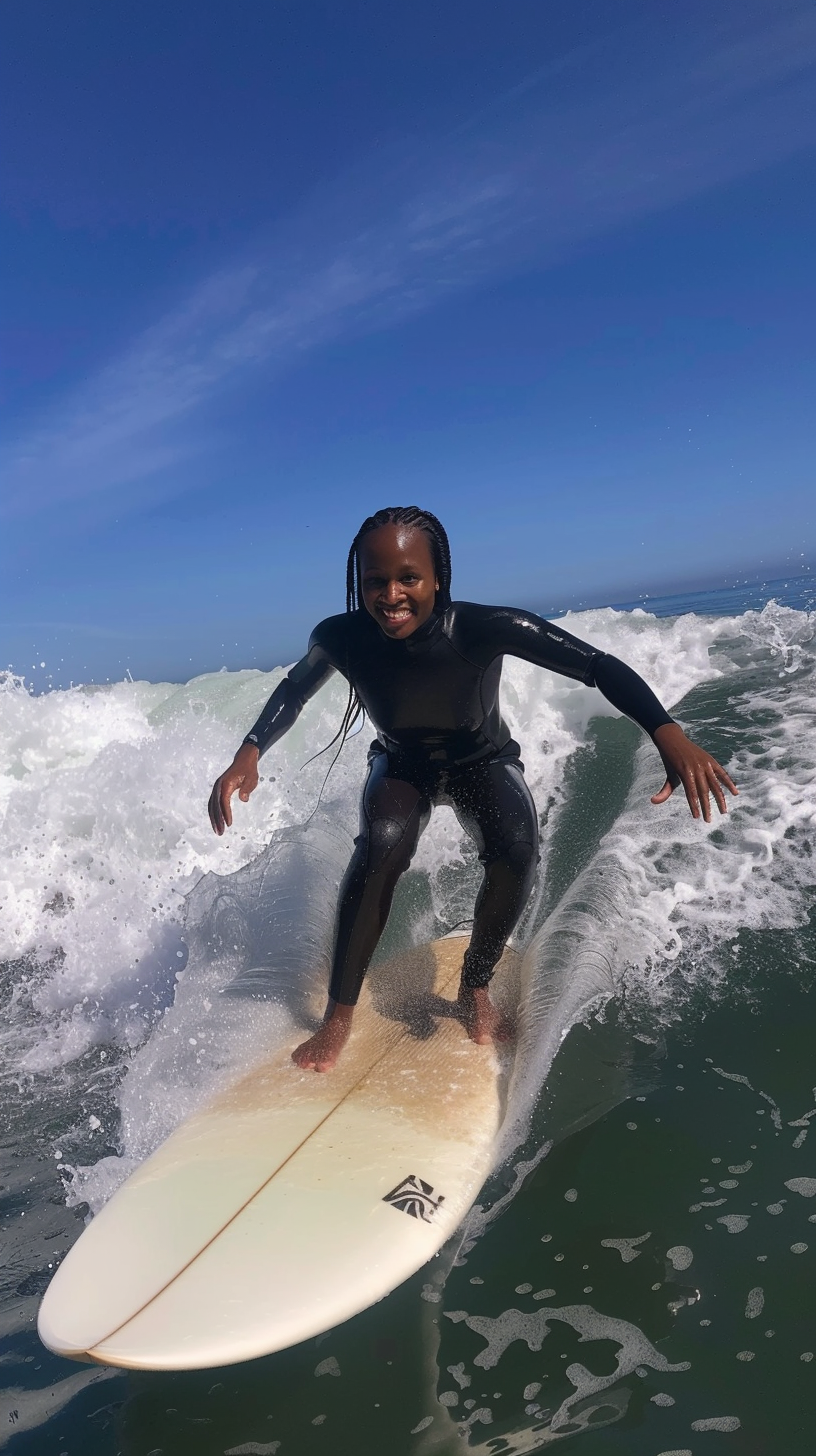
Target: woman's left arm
column 684, row 761
column 526, row 635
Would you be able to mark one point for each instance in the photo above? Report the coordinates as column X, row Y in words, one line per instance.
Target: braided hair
column 440, row 551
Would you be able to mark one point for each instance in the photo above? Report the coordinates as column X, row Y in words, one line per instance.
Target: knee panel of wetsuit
column 520, row 858
column 390, row 845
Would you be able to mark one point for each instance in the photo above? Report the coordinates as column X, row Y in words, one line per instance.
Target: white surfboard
column 295, row 1199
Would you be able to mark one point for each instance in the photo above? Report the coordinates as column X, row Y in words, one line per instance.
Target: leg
column 393, row 814
column 494, row 804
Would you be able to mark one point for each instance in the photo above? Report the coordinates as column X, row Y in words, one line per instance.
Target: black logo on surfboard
column 415, row 1197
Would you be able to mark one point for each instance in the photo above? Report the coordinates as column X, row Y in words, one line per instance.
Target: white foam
column 254, row 1448
column 755, row 1303
column 627, row 1248
column 328, row 1366
column 634, row 1349
column 805, row 1186
column 461, row 1377
column 717, row 1423
column 735, row 1223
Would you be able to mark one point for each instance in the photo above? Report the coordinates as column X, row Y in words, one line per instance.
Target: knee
column 390, row 846
column 517, row 860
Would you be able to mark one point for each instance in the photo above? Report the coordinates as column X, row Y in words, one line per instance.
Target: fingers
column 692, row 794
column 724, row 777
column 214, row 809
column 711, row 777
column 218, row 807
column 716, row 787
column 665, row 793
column 244, row 778
column 702, row 778
column 224, row 800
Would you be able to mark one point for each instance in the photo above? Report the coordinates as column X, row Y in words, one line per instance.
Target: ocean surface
column 639, row 1275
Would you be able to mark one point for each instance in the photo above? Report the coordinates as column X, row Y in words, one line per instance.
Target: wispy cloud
column 580, row 149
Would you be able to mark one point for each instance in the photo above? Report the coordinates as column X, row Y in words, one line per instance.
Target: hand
column 696, row 770
column 242, row 775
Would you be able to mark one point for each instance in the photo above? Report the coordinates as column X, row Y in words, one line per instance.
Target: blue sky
column 544, row 267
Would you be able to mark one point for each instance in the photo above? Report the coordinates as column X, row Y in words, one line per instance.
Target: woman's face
column 398, row 577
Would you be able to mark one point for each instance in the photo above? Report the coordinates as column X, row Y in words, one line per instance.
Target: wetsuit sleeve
column 625, row 690
column 285, row 705
column 523, row 634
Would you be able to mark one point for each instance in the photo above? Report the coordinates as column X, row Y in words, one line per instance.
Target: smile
column 396, row 614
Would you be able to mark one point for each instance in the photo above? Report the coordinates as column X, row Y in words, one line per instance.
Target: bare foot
column 321, row 1051
column 483, row 1021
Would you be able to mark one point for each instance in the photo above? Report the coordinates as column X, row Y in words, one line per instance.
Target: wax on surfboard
column 294, row 1199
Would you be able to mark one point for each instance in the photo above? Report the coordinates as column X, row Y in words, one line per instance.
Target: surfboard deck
column 294, row 1199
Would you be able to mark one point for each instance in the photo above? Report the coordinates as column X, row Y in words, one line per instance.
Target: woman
column 427, row 673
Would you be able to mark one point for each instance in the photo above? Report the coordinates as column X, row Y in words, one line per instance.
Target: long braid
column 440, row 550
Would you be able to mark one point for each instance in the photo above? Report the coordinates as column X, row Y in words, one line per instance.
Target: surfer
column 426, row 670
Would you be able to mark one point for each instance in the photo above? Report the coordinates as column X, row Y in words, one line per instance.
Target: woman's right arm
column 282, row 710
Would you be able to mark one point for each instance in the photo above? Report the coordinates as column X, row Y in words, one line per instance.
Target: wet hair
column 440, row 551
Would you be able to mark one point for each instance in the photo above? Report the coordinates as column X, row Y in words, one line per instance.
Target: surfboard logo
column 415, row 1197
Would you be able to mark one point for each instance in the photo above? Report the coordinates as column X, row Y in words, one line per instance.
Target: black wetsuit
column 434, row 699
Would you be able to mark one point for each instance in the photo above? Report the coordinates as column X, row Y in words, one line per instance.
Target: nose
column 393, row 591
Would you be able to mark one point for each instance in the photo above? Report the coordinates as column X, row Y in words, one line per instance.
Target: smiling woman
column 427, row 672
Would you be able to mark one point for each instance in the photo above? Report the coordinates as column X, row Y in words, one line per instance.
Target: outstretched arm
column 684, row 761
column 282, row 710
column 523, row 634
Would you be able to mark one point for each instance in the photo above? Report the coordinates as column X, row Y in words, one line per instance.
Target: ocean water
column 638, row 1275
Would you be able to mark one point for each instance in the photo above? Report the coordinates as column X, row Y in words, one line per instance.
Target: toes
column 303, row 1058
